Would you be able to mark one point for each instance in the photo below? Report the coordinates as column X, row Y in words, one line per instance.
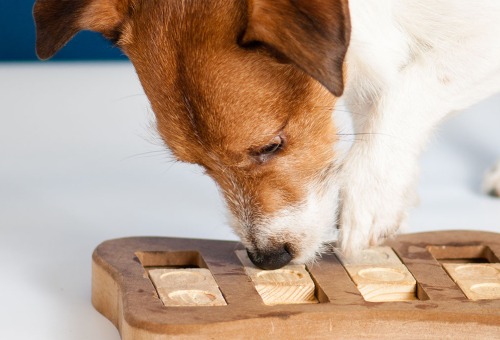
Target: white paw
column 491, row 182
column 374, row 201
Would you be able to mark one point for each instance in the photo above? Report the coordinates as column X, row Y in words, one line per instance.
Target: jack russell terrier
column 247, row 89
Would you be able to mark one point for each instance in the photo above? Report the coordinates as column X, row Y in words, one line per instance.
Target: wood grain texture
column 288, row 285
column 186, row 287
column 373, row 256
column 378, row 283
column 478, row 281
column 380, row 275
column 123, row 292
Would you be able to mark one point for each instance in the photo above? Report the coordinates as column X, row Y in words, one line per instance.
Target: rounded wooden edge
column 109, row 298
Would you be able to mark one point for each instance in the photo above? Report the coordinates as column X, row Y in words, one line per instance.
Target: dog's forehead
column 178, row 23
column 205, row 89
column 209, row 94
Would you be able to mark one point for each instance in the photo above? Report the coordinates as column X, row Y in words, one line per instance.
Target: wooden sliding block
column 478, row 281
column 373, row 255
column 291, row 284
column 392, row 282
column 186, row 287
column 380, row 275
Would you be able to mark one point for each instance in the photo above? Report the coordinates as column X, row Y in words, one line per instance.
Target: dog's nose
column 273, row 258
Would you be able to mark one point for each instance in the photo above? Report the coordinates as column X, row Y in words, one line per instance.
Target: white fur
column 307, row 226
column 491, row 184
column 410, row 63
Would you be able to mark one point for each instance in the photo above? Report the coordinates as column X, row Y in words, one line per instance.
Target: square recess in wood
column 475, row 269
column 463, row 254
column 181, row 279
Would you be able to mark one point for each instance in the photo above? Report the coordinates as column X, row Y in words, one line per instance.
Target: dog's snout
column 269, row 259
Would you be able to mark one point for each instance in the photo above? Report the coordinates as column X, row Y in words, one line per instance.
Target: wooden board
column 122, row 290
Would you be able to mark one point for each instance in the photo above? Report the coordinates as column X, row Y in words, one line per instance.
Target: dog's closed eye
column 266, row 152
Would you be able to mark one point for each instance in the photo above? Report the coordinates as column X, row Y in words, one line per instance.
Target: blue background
column 17, row 37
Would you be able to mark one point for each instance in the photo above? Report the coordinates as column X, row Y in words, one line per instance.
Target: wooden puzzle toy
column 429, row 285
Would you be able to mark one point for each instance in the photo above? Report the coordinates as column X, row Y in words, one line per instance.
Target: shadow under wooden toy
column 439, row 284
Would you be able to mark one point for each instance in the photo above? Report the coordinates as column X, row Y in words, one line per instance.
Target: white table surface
column 80, row 165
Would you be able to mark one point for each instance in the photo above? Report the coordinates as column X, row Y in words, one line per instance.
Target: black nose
column 273, row 258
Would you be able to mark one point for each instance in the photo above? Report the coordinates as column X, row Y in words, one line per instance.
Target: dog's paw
column 491, row 182
column 374, row 202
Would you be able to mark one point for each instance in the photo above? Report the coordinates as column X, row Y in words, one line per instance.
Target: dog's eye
column 266, row 152
column 271, row 148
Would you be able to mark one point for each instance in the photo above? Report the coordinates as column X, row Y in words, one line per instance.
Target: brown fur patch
column 216, row 101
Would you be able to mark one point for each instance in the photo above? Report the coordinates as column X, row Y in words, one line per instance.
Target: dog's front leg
column 378, row 177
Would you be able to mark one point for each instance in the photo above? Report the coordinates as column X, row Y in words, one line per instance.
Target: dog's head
column 245, row 89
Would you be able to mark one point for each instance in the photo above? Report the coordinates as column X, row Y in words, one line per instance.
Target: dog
column 247, row 89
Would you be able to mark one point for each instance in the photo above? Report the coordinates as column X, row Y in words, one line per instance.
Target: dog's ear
column 313, row 34
column 57, row 21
